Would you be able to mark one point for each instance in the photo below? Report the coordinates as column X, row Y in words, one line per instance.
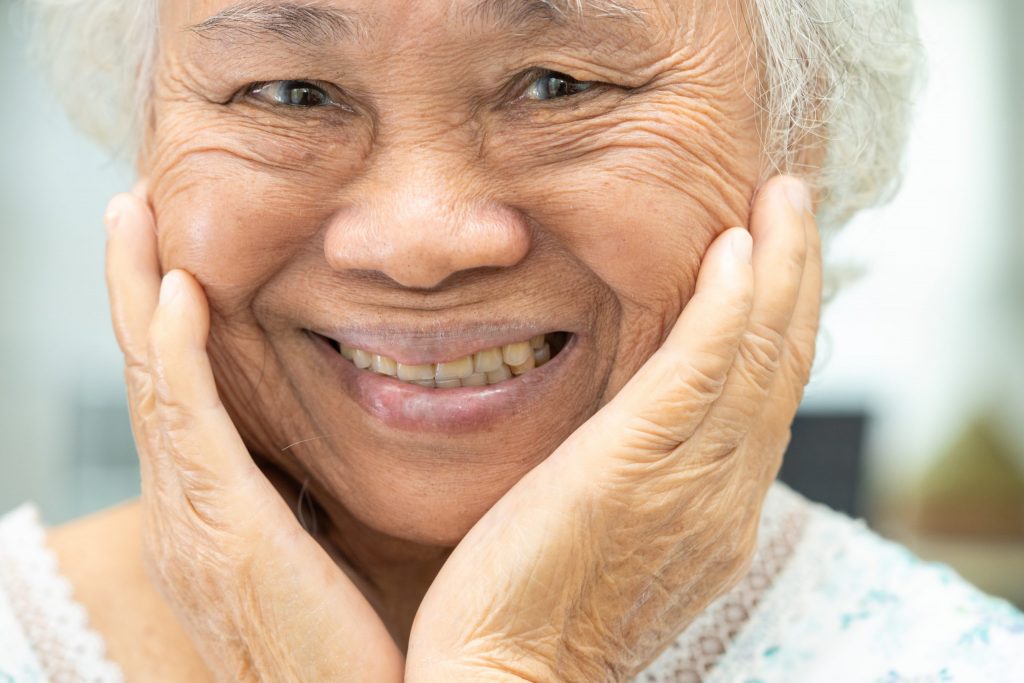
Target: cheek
column 216, row 229
column 235, row 204
column 639, row 195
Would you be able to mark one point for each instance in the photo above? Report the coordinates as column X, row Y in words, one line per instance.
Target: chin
column 401, row 456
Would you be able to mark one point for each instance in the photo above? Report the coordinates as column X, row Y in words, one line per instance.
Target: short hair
column 837, row 76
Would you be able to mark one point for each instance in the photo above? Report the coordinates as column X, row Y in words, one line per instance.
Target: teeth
column 384, row 365
column 477, row 379
column 516, row 354
column 489, row 366
column 456, row 369
column 412, row 373
column 499, row 375
column 524, row 367
column 487, row 361
column 541, row 355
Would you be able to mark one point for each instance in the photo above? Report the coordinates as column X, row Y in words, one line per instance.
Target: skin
column 278, row 245
column 591, row 214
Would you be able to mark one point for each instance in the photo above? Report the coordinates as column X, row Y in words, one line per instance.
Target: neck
column 392, row 573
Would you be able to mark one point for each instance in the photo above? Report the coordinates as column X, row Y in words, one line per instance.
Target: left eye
column 552, row 85
column 291, row 94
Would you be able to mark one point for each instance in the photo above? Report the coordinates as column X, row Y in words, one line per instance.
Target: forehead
column 364, row 17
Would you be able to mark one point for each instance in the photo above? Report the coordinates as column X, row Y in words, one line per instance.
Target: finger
column 802, row 335
column 133, row 274
column 661, row 406
column 780, row 254
column 211, row 459
column 768, row 440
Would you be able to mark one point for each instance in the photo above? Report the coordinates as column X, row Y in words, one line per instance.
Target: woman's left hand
column 599, row 557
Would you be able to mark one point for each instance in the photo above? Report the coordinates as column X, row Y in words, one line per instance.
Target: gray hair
column 837, row 81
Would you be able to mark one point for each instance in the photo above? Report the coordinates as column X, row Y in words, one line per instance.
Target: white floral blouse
column 826, row 601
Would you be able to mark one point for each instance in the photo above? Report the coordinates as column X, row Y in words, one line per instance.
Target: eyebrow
column 292, row 22
column 506, row 12
column 303, row 23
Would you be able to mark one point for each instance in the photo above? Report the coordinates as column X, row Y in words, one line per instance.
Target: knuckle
column 760, row 354
column 164, row 389
column 136, row 372
column 801, row 358
column 203, row 494
column 722, row 446
column 700, row 381
column 645, row 435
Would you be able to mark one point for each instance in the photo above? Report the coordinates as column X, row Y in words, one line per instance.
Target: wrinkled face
column 412, row 184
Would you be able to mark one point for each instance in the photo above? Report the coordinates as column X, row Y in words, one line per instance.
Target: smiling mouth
column 483, row 368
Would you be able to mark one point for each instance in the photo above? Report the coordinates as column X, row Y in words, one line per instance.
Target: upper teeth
column 489, row 366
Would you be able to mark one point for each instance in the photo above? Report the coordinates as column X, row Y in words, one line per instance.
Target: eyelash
column 312, row 89
column 320, row 90
column 567, row 80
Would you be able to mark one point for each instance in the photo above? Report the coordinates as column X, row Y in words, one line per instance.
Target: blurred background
column 914, row 418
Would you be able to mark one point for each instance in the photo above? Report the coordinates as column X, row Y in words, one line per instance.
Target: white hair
column 837, row 79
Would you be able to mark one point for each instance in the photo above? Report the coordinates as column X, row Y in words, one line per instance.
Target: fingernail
column 112, row 216
column 170, row 288
column 742, row 245
column 799, row 196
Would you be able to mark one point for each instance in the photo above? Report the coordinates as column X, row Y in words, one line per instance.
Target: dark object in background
column 824, row 459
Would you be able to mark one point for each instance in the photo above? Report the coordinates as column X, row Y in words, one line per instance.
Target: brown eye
column 552, row 85
column 291, row 94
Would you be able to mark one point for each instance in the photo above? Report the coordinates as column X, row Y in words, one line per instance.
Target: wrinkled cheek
column 645, row 241
column 640, row 198
column 641, row 234
column 231, row 228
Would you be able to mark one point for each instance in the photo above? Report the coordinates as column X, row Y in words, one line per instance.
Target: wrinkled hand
column 261, row 600
column 591, row 564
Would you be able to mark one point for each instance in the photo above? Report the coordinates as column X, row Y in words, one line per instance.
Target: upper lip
column 434, row 343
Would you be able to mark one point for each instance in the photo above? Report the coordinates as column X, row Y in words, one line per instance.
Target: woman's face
column 422, row 181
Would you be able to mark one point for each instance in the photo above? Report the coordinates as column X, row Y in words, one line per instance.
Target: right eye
column 300, row 94
column 555, row 85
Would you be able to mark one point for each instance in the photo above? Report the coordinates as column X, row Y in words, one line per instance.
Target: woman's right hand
column 260, row 598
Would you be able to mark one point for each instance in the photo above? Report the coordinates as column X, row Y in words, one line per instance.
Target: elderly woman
column 462, row 342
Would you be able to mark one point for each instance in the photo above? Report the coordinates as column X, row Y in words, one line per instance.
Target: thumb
column 663, row 404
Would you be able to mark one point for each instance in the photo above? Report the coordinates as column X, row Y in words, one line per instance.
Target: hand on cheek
column 222, row 546
column 604, row 552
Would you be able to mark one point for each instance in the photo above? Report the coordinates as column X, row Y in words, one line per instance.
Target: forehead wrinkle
column 309, row 21
column 559, row 11
column 295, row 22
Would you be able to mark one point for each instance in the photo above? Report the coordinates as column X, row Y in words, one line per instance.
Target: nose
column 418, row 226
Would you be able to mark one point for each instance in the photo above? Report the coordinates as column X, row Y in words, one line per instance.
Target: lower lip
column 413, row 408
